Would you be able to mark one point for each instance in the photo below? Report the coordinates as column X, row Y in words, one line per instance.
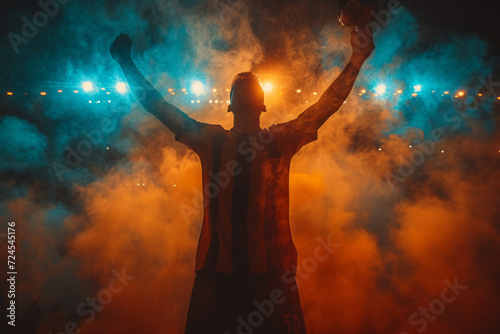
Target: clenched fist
column 121, row 49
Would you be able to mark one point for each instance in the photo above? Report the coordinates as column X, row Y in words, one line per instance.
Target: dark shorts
column 244, row 303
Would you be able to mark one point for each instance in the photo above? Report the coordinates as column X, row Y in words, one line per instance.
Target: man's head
column 247, row 94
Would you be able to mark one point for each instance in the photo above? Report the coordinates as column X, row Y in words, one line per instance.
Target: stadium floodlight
column 87, row 86
column 267, row 87
column 197, row 88
column 121, row 87
column 381, row 89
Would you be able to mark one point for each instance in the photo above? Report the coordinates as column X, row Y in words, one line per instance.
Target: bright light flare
column 417, row 88
column 267, row 87
column 381, row 89
column 121, row 88
column 197, row 88
column 461, row 93
column 87, row 86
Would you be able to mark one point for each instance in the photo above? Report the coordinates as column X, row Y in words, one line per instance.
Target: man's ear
column 229, row 108
column 264, row 108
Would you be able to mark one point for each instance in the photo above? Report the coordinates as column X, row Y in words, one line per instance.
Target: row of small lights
column 382, row 89
column 87, row 86
column 442, row 151
column 198, row 89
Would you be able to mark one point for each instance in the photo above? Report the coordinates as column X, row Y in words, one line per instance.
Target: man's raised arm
column 335, row 95
column 145, row 93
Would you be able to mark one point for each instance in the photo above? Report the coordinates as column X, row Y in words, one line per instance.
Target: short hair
column 245, row 76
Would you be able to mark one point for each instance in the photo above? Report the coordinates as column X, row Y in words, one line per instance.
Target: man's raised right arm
column 146, row 94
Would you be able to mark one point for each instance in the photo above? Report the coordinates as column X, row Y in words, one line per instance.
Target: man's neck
column 246, row 125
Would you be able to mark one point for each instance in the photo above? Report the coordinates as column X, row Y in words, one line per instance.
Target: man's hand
column 362, row 43
column 121, row 49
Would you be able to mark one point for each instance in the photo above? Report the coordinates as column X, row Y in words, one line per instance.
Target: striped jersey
column 245, row 195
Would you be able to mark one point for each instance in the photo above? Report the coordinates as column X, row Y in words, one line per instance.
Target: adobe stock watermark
column 104, row 297
column 309, row 264
column 425, row 149
column 436, row 307
column 30, row 28
column 266, row 308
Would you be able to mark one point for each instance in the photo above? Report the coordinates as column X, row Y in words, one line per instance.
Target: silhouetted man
column 245, row 246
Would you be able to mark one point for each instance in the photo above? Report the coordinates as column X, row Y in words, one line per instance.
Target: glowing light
column 108, row 93
column 59, row 90
column 498, row 98
column 216, row 101
column 90, row 101
column 87, row 86
column 197, row 88
column 170, row 89
column 173, row 93
column 442, row 151
column 417, row 88
column 210, row 101
column 299, row 90
column 183, row 89
column 381, row 89
column 10, row 93
column 75, row 91
column 102, row 88
column 109, row 101
column 446, row 93
column 479, row 94
column 227, row 90
column 192, row 101
column 121, row 88
column 228, row 101
column 214, row 90
column 315, row 93
column 380, row 149
column 411, row 146
column 197, row 101
column 461, row 93
column 43, row 93
column 414, row 94
column 107, row 147
column 267, row 87
column 363, row 91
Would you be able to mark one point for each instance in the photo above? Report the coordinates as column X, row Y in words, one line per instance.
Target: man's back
column 245, row 186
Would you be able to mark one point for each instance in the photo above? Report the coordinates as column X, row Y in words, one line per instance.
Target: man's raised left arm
column 335, row 95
